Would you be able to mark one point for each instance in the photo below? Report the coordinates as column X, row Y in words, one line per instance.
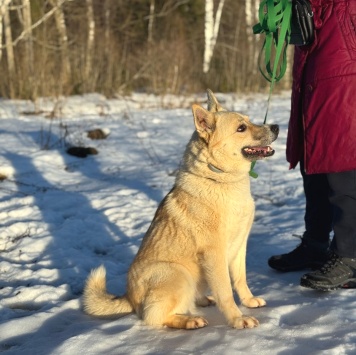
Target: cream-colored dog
column 197, row 239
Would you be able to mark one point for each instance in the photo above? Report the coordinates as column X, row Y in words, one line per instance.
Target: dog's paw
column 196, row 322
column 254, row 302
column 244, row 322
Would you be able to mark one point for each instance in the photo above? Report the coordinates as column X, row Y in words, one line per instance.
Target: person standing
column 322, row 139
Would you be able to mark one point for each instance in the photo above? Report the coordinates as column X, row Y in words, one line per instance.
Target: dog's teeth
column 261, row 150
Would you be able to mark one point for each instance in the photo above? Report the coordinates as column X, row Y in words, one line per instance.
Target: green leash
column 275, row 19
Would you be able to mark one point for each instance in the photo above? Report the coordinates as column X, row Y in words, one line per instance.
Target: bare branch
column 166, row 10
column 38, row 23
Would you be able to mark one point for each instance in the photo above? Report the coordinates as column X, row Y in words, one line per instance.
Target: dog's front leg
column 238, row 275
column 217, row 275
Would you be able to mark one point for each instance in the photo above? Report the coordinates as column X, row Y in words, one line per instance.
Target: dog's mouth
column 253, row 153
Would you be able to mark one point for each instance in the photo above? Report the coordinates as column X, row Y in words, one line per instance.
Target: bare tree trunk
column 62, row 31
column 3, row 13
column 27, row 25
column 151, row 19
column 109, row 61
column 208, row 31
column 9, row 49
column 107, row 27
column 251, row 61
column 249, row 37
column 288, row 75
column 211, row 30
column 236, row 58
column 2, row 8
column 90, row 39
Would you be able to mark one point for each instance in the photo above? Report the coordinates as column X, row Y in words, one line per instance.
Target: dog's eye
column 241, row 128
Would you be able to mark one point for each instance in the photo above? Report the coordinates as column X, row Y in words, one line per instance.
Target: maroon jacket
column 322, row 126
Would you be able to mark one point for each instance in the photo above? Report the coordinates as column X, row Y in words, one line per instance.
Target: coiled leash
column 275, row 23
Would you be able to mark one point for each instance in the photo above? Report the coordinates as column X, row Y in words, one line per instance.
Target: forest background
column 68, row 47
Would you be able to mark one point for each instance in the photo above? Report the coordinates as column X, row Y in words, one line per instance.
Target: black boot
column 337, row 272
column 307, row 255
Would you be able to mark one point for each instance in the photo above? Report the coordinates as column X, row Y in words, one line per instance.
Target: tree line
column 66, row 47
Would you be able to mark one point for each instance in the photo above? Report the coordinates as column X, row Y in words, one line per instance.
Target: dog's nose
column 275, row 128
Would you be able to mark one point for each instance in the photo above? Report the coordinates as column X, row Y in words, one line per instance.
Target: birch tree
column 90, row 38
column 4, row 8
column 6, row 26
column 211, row 30
column 251, row 15
column 9, row 51
column 107, row 27
column 63, row 38
column 288, row 74
column 27, row 25
column 167, row 8
column 150, row 21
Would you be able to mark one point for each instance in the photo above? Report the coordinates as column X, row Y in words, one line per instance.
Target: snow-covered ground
column 61, row 216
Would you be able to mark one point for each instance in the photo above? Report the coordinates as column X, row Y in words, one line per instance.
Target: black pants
column 331, row 205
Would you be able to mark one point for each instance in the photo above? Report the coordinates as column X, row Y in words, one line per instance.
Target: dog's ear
column 213, row 103
column 204, row 121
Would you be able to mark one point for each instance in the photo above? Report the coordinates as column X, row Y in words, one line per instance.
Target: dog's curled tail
column 98, row 302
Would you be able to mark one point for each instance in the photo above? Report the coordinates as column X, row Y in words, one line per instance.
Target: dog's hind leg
column 171, row 302
column 201, row 299
column 205, row 301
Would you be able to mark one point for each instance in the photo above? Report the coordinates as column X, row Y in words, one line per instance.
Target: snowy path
column 61, row 216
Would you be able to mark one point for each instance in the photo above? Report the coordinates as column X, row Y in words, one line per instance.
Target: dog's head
column 230, row 137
